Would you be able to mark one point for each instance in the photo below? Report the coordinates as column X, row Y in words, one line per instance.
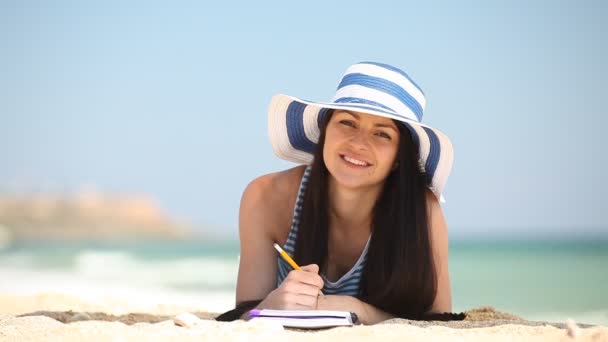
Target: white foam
column 599, row 317
column 183, row 272
column 32, row 282
column 205, row 282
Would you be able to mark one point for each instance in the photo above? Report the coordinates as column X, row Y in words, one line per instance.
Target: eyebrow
column 381, row 125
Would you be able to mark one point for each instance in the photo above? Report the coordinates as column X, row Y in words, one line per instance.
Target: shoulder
column 431, row 200
column 435, row 214
column 274, row 187
column 268, row 201
column 438, row 230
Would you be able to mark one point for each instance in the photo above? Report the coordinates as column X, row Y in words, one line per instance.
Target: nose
column 360, row 140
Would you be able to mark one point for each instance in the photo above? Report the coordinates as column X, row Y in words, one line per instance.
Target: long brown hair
column 399, row 276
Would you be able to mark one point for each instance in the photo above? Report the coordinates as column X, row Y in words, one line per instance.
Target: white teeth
column 355, row 161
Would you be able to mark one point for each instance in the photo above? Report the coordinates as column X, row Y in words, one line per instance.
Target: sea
column 535, row 279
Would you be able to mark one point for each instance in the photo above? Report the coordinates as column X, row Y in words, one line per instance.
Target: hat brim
column 293, row 128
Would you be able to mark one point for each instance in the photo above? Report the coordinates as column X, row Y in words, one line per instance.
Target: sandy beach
column 60, row 317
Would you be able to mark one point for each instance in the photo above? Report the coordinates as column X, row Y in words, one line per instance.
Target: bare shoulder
column 274, row 188
column 435, row 214
column 264, row 218
column 432, row 202
column 270, row 198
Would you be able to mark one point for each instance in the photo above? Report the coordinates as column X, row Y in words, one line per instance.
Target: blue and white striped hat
column 368, row 87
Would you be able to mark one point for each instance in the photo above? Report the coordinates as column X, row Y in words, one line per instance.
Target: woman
column 363, row 216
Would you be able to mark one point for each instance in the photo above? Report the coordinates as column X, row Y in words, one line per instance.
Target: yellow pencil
column 289, row 260
column 286, row 256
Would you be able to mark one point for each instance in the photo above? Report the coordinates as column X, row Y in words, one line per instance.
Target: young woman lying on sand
column 362, row 214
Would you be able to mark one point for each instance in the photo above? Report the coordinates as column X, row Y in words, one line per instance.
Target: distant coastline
column 86, row 216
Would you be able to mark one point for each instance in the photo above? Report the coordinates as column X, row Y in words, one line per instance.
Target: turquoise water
column 534, row 279
column 548, row 280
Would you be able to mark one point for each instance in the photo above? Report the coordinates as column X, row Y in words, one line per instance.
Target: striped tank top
column 349, row 283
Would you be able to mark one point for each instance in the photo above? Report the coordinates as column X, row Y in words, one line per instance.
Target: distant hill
column 86, row 216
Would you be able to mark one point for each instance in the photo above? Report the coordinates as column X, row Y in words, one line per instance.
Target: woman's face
column 360, row 149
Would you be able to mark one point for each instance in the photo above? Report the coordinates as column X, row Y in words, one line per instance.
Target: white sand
column 43, row 328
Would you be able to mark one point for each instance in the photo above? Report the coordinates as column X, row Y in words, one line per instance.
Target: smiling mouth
column 354, row 161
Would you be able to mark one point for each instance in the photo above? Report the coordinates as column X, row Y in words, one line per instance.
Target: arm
column 264, row 210
column 257, row 264
column 368, row 314
column 439, row 244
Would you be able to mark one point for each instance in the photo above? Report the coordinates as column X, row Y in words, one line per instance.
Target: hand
column 299, row 291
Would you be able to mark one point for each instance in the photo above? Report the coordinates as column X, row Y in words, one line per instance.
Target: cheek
column 389, row 154
column 332, row 136
column 327, row 145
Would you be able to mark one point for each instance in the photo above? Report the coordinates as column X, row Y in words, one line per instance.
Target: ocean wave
column 17, row 281
column 18, row 259
column 184, row 272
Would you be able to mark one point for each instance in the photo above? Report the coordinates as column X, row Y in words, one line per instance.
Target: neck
column 351, row 210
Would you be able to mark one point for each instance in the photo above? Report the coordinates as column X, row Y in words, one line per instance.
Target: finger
column 307, row 278
column 313, row 268
column 308, row 301
column 297, row 287
column 302, row 300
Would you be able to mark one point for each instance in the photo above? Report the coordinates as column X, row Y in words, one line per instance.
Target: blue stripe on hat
column 414, row 136
column 321, row 115
column 384, row 86
column 397, row 70
column 435, row 152
column 364, row 101
column 369, row 107
column 295, row 128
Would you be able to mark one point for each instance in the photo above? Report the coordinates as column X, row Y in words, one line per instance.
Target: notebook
column 306, row 319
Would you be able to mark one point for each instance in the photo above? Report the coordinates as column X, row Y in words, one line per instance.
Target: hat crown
column 381, row 86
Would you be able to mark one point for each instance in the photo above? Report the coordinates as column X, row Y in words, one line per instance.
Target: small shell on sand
column 572, row 328
column 186, row 320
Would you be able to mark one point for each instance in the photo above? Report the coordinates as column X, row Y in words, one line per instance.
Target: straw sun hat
column 367, row 87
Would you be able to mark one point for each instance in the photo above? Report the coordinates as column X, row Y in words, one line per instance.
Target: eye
column 384, row 135
column 347, row 123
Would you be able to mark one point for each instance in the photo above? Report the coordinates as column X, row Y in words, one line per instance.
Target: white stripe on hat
column 444, row 166
column 376, row 96
column 389, row 75
column 278, row 134
column 275, row 122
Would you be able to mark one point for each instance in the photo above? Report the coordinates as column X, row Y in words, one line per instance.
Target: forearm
column 368, row 314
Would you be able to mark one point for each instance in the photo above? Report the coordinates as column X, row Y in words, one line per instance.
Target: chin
column 353, row 178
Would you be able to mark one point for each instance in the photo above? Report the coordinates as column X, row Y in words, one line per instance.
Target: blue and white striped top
column 349, row 283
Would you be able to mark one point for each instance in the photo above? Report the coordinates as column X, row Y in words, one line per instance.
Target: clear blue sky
column 170, row 98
